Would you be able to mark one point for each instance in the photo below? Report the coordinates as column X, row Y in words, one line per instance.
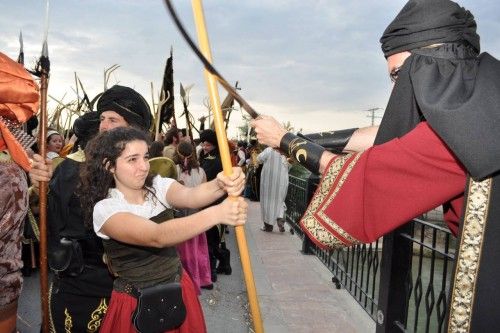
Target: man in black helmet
column 82, row 285
column 437, row 145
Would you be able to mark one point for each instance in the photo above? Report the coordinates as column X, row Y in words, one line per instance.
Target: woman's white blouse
column 116, row 203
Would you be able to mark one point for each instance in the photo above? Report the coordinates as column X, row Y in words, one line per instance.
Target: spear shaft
column 44, row 69
column 44, row 276
column 188, row 122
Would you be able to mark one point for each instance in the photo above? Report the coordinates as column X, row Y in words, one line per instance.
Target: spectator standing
column 193, row 252
column 273, row 189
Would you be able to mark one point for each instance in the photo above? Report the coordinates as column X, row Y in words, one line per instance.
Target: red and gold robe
column 363, row 196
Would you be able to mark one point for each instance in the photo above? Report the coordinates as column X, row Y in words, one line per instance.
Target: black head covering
column 85, row 127
column 426, row 22
column 128, row 103
column 456, row 91
column 209, row 135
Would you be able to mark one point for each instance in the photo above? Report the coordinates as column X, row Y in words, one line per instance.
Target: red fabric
column 121, row 306
column 392, row 183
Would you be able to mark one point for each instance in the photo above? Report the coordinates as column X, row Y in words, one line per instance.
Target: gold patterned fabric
column 316, row 223
column 468, row 259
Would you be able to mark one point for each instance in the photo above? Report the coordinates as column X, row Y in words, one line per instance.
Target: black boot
column 213, row 240
column 213, row 270
column 224, row 266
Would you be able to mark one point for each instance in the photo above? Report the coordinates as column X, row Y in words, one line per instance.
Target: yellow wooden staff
column 226, row 161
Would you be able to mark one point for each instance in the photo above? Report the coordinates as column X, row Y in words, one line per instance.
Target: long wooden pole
column 44, row 276
column 226, row 162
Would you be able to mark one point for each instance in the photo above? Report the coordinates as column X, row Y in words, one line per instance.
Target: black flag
column 167, row 110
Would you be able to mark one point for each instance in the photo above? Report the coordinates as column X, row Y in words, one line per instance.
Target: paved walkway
column 295, row 291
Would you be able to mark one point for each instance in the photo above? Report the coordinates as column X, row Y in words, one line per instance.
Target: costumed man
column 254, row 170
column 437, row 145
column 211, row 163
column 82, row 285
column 19, row 100
column 273, row 189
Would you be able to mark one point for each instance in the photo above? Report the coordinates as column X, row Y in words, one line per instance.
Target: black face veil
column 450, row 86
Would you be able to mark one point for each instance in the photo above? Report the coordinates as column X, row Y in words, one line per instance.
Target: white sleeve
column 264, row 155
column 161, row 186
column 103, row 210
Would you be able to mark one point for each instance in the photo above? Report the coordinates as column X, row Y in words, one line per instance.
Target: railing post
column 312, row 184
column 395, row 265
column 306, row 245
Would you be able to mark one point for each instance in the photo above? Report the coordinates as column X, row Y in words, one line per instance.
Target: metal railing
column 428, row 285
column 411, row 295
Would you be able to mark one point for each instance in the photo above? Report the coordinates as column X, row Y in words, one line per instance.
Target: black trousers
column 78, row 304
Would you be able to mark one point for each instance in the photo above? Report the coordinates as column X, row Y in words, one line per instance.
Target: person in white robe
column 273, row 188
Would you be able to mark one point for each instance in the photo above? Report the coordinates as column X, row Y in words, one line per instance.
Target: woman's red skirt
column 122, row 305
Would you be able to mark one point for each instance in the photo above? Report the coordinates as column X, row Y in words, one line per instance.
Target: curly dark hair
column 100, row 155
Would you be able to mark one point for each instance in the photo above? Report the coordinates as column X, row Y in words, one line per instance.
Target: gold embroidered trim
column 97, row 316
column 68, row 321
column 469, row 255
column 52, row 327
column 314, row 227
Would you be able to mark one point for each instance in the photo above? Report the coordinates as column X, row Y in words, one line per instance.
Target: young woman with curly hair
column 123, row 200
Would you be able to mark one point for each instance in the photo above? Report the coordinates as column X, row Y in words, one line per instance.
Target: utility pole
column 372, row 114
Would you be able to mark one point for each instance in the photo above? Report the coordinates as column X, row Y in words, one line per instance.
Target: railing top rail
column 432, row 225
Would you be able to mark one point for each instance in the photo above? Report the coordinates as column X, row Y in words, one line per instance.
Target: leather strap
column 334, row 141
column 122, row 286
column 305, row 152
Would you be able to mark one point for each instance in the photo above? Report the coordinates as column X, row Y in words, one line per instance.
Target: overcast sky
column 316, row 64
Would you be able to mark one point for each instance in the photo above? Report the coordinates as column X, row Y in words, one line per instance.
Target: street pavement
column 295, row 291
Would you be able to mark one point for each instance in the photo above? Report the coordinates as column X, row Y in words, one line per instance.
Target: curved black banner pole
column 207, row 64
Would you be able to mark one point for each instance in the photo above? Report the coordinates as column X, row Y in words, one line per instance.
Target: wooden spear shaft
column 44, row 275
column 188, row 123
column 226, row 162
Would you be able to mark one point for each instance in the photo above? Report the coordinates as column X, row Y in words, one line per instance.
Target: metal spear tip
column 183, row 92
column 20, row 58
column 45, row 50
column 21, row 40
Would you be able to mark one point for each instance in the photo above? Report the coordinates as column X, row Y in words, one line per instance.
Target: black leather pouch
column 159, row 308
column 67, row 258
